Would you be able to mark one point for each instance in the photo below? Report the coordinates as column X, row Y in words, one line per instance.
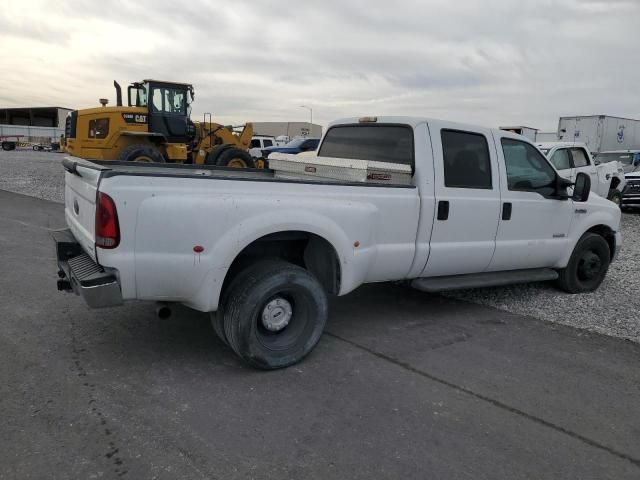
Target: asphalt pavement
column 402, row 385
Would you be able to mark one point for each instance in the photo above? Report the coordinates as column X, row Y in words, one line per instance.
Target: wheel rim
column 589, row 266
column 616, row 200
column 237, row 163
column 276, row 314
column 286, row 323
column 144, row 158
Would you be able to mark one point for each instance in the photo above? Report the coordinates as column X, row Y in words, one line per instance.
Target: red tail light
column 107, row 228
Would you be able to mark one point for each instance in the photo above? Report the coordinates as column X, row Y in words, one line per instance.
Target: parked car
column 631, row 194
column 297, row 145
column 259, row 143
column 607, row 179
column 481, row 207
column 628, row 159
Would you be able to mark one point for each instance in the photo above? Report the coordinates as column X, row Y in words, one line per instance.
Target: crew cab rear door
column 467, row 194
column 81, row 186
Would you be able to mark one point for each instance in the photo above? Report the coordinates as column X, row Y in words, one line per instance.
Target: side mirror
column 597, row 162
column 582, row 188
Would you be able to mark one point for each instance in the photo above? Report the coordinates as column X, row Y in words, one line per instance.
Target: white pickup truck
column 570, row 158
column 483, row 207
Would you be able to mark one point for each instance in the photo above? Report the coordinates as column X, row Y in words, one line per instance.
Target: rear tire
column 235, row 158
column 8, row 146
column 274, row 314
column 587, row 266
column 141, row 152
column 615, row 196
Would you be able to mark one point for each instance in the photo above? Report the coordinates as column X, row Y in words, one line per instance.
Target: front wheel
column 274, row 314
column 587, row 266
column 615, row 196
column 141, row 152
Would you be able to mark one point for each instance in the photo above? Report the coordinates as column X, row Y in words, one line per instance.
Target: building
column 290, row 129
column 34, row 124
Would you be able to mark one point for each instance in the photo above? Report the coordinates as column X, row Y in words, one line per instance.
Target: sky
column 487, row 62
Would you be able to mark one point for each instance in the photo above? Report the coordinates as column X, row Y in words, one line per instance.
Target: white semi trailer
column 600, row 132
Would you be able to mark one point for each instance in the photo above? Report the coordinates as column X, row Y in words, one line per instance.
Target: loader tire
column 212, row 156
column 141, row 152
column 235, row 158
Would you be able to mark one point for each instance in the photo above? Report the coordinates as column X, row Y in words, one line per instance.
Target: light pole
column 310, row 117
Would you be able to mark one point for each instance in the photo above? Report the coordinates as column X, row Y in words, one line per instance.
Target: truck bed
column 110, row 168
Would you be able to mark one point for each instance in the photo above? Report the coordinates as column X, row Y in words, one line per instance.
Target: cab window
column 467, row 163
column 268, row 143
column 169, row 100
column 99, row 128
column 579, row 157
column 527, row 169
column 255, row 143
column 560, row 159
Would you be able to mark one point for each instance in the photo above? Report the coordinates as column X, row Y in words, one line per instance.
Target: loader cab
column 169, row 106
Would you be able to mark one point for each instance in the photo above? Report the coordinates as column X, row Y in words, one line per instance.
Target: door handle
column 506, row 210
column 443, row 209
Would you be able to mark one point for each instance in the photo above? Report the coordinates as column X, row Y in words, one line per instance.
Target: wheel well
column 608, row 234
column 615, row 181
column 304, row 249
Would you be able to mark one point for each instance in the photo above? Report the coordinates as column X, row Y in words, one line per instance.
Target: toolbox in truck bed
column 306, row 166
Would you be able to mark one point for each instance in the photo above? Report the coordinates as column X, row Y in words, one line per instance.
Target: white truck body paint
column 379, row 233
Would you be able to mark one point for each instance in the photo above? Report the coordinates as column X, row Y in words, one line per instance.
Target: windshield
column 622, row 157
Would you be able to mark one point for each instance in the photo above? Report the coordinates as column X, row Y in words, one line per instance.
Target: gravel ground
column 614, row 309
column 38, row 174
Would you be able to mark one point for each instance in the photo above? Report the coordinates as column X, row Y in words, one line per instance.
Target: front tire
column 274, row 314
column 587, row 266
column 235, row 158
column 615, row 196
column 141, row 152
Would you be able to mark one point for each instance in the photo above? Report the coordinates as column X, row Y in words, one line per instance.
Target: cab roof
column 415, row 121
column 150, row 80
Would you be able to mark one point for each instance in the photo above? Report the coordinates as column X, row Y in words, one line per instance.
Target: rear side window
column 466, row 160
column 255, row 143
column 382, row 143
column 560, row 159
column 579, row 157
column 99, row 128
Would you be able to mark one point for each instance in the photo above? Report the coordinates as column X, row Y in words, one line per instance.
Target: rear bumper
column 77, row 272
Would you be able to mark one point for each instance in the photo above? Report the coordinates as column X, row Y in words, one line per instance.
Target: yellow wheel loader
column 155, row 127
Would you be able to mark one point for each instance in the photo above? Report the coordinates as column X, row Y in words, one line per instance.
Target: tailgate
column 81, row 186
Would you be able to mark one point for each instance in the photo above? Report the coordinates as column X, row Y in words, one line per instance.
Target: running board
column 487, row 279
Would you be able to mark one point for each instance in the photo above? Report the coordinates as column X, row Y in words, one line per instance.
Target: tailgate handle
column 70, row 167
column 443, row 209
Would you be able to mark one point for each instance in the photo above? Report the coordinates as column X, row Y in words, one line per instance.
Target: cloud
column 491, row 62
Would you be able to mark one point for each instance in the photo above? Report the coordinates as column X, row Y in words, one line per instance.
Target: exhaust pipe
column 163, row 310
column 118, row 93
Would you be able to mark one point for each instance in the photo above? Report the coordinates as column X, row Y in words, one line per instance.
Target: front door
column 467, row 200
column 533, row 225
column 168, row 112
